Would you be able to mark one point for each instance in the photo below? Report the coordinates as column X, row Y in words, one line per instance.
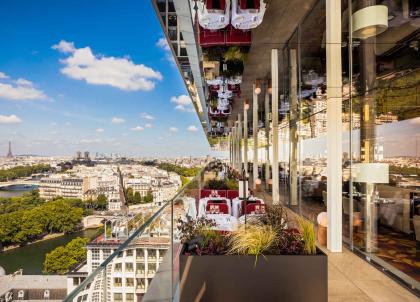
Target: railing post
column 255, row 136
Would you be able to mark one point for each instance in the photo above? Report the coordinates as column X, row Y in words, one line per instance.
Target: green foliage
column 63, row 258
column 27, row 201
column 183, row 171
column 184, row 180
column 254, row 239
column 308, row 235
column 234, row 53
column 226, row 184
column 148, row 198
column 22, row 171
column 34, row 219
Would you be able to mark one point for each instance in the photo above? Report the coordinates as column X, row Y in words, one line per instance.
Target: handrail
column 134, row 235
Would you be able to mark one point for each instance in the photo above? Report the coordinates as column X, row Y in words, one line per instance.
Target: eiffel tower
column 9, row 153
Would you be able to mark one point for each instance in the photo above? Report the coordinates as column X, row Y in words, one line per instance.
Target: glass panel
column 386, row 110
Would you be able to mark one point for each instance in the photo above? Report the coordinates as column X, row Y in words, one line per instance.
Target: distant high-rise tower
column 9, row 153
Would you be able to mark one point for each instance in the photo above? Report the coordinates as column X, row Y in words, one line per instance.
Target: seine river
column 31, row 257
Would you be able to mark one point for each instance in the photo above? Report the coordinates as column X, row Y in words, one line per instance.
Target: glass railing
column 151, row 237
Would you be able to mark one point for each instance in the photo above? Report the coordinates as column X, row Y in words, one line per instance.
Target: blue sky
column 91, row 75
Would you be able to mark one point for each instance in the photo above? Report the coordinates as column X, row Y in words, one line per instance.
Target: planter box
column 234, row 278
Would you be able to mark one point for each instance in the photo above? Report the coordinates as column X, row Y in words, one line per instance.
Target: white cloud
column 10, row 119
column 122, row 73
column 117, row 120
column 183, row 103
column 146, row 116
column 90, row 141
column 19, row 90
column 163, row 43
column 99, row 130
column 137, row 129
column 148, row 126
column 64, row 47
column 192, row 128
column 53, row 124
column 173, row 129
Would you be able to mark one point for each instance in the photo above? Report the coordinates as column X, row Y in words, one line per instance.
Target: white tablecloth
column 237, row 204
column 224, row 222
column 203, row 203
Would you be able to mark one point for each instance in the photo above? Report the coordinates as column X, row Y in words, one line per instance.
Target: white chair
column 247, row 18
column 212, row 17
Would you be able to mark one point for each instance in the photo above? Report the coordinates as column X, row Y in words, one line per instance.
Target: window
column 151, row 268
column 106, row 253
column 96, row 254
column 129, row 297
column 129, row 282
column 95, row 265
column 129, row 253
column 139, row 253
column 117, row 282
column 129, row 267
column 117, row 297
column 151, row 254
column 118, row 267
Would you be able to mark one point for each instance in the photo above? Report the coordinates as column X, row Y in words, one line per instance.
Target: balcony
column 346, row 270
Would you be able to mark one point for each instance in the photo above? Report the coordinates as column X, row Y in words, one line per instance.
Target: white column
column 334, row 126
column 275, row 119
column 245, row 140
column 267, row 136
column 233, row 140
column 255, row 135
column 239, row 143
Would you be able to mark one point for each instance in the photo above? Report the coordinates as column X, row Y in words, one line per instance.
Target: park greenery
column 180, row 170
column 136, row 198
column 22, row 171
column 63, row 258
column 28, row 218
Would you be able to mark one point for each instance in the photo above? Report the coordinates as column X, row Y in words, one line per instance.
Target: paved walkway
column 350, row 278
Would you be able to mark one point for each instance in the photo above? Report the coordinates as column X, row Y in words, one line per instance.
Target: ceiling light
column 370, row 21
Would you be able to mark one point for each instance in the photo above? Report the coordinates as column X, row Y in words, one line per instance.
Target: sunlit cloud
column 117, row 120
column 137, row 129
column 10, row 119
column 183, row 103
column 146, row 116
column 192, row 128
column 121, row 73
column 173, row 129
column 99, row 130
column 19, row 90
column 148, row 126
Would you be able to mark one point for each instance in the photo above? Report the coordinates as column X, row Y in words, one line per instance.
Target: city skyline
column 113, row 88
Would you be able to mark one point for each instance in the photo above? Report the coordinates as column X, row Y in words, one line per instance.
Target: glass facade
column 381, row 128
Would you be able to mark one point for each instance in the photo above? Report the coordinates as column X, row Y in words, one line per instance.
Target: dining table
column 202, row 204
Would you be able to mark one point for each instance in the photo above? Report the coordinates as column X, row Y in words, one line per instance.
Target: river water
column 31, row 257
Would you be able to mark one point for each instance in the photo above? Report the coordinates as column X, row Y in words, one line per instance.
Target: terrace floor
column 350, row 278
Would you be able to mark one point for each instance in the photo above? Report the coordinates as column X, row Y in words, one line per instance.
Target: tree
column 101, row 202
column 149, row 197
column 62, row 258
column 136, row 198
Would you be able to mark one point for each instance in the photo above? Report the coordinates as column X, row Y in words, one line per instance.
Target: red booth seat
column 216, row 4
column 249, row 4
column 217, row 208
column 208, row 38
column 255, row 208
column 232, row 194
column 236, row 36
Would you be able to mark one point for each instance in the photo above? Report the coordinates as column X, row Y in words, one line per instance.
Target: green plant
column 308, row 235
column 234, row 53
column 254, row 239
column 276, row 216
column 231, row 184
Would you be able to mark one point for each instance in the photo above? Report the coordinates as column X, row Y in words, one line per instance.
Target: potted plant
column 266, row 260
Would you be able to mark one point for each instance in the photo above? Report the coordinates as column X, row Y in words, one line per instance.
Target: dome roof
column 2, row 271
